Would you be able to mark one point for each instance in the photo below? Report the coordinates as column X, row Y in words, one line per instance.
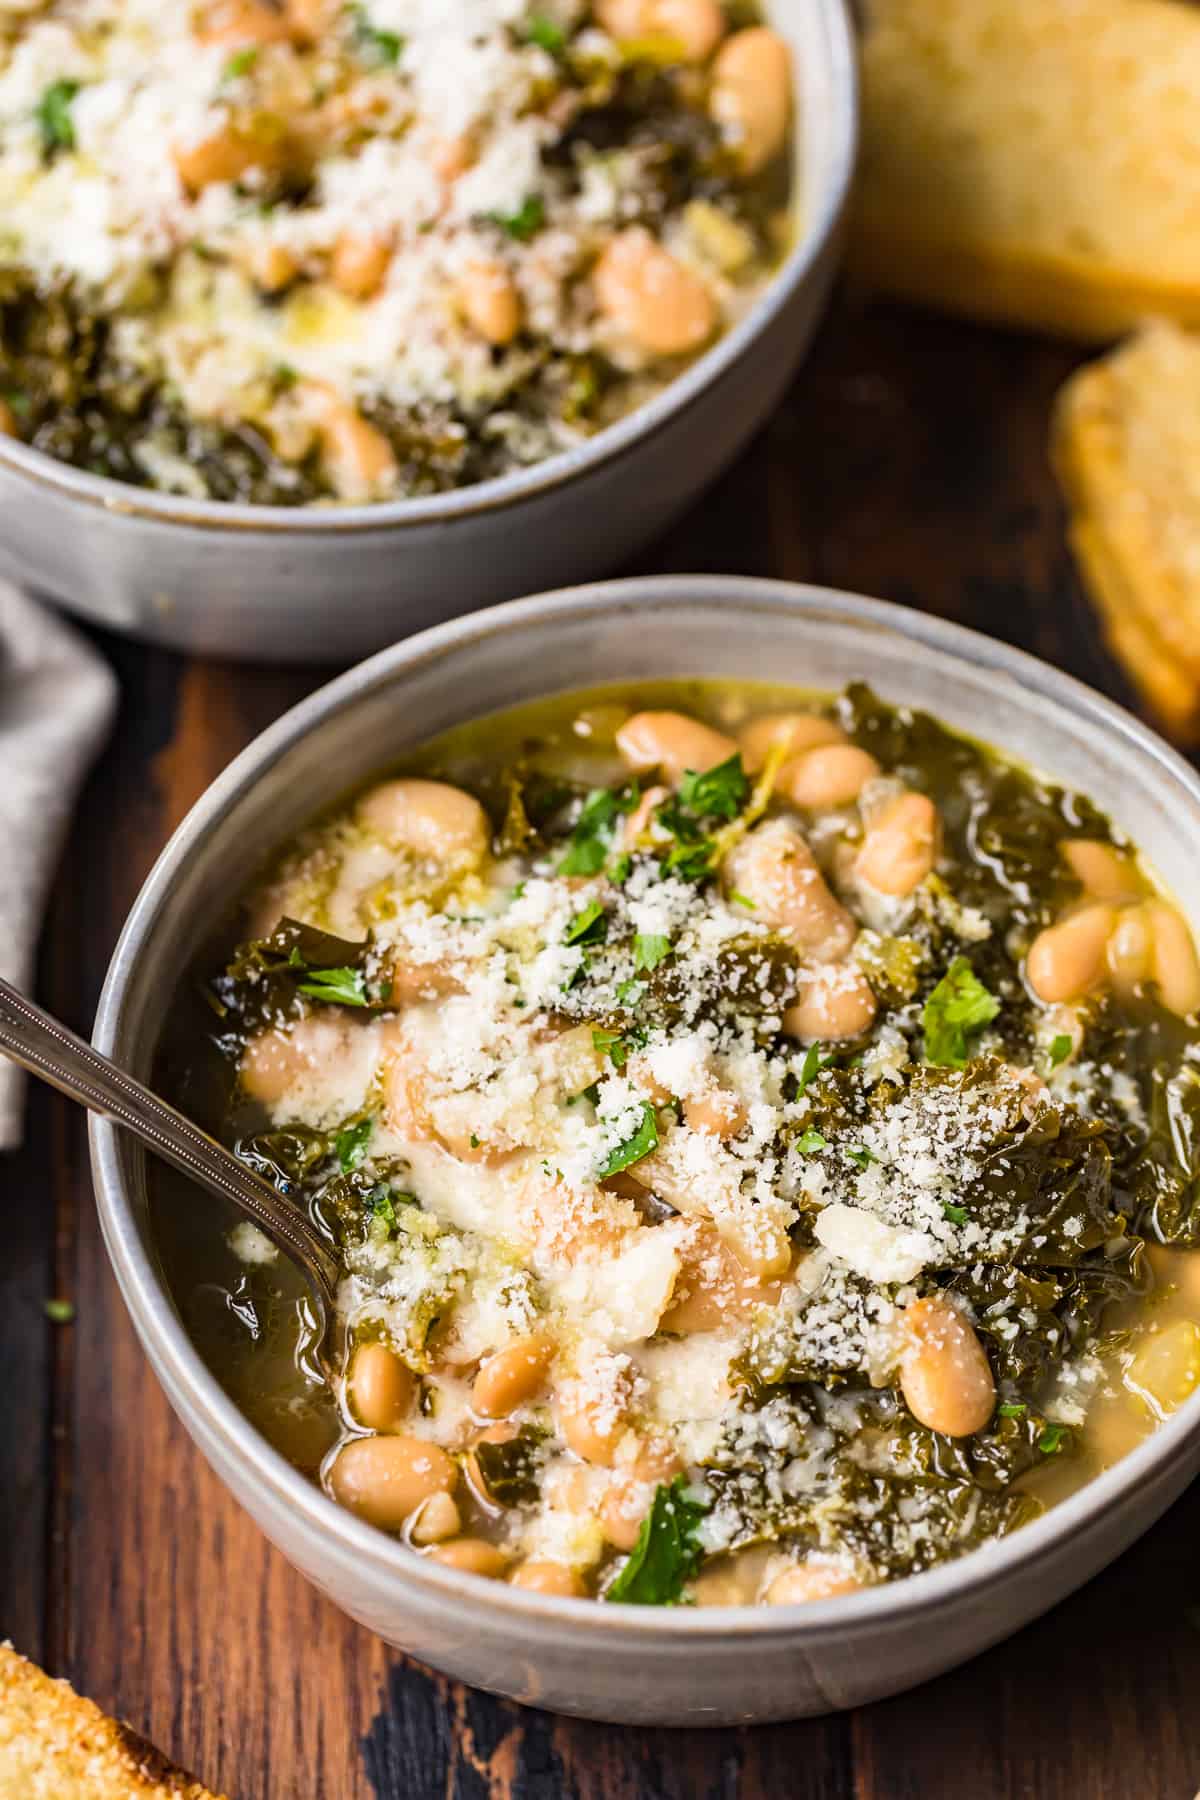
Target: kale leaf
column 267, row 979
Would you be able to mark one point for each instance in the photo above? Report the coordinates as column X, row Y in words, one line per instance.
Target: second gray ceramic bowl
column 328, row 584
column 635, row 1664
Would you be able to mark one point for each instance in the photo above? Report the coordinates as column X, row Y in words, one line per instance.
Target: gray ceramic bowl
column 332, row 584
column 632, row 1664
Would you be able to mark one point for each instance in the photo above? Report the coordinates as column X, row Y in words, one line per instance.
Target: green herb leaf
column 630, row 992
column 743, row 900
column 691, row 862
column 546, row 33
column 611, row 1044
column 350, row 1144
column 811, row 1140
column 619, row 869
column 383, row 1200
column 1060, row 1049
column 957, row 1215
column 812, row 1065
column 858, row 1153
column 589, row 926
column 617, row 1045
column 240, row 63
column 667, row 1552
column 643, row 1141
column 336, row 987
column 59, row 1312
column 53, row 116
column 1012, row 1409
column 591, row 839
column 649, row 949
column 526, row 222
column 718, row 793
column 958, row 1007
column 381, row 46
column 1051, row 1439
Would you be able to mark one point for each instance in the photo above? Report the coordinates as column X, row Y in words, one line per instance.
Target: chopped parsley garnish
column 53, row 116
column 812, row 1065
column 718, row 793
column 382, row 46
column 958, row 1008
column 1051, row 1439
column 811, row 1140
column 350, row 1144
column 591, row 839
column 382, row 1201
column 240, row 63
column 957, row 1215
column 617, row 1045
column 545, row 32
column 630, row 992
column 691, row 862
column 337, row 987
column 649, row 949
column 1012, row 1409
column 1060, row 1048
column 620, row 869
column 589, row 926
column 667, row 1552
column 743, row 900
column 526, row 222
column 59, row 1312
column 858, row 1153
column 643, row 1141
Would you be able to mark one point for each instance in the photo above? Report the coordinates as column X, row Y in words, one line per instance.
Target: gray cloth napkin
column 57, row 700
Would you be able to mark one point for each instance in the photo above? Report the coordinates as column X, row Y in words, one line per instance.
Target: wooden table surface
column 909, row 462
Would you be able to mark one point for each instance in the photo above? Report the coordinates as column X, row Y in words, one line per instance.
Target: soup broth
column 758, row 1133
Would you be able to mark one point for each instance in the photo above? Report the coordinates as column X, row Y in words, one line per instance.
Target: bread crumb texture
column 1127, row 453
column 56, row 1746
column 1035, row 162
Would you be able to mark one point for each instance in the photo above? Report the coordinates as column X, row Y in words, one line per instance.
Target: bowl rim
column 162, row 1332
column 823, row 213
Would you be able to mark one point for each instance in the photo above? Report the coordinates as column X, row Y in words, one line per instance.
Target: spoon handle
column 47, row 1049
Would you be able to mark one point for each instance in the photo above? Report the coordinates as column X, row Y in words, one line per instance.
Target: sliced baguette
column 1034, row 162
column 56, row 1746
column 1125, row 444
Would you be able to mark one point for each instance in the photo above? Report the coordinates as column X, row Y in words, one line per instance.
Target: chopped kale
column 510, row 1470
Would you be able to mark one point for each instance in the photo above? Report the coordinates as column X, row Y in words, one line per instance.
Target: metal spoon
column 40, row 1044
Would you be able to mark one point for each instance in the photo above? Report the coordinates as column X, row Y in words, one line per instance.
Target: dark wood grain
column 907, row 461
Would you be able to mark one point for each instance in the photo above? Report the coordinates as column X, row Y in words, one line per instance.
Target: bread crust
column 1149, row 607
column 55, row 1745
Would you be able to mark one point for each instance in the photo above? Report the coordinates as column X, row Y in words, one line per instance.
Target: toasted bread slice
column 1126, row 447
column 55, row 1746
column 1034, row 162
